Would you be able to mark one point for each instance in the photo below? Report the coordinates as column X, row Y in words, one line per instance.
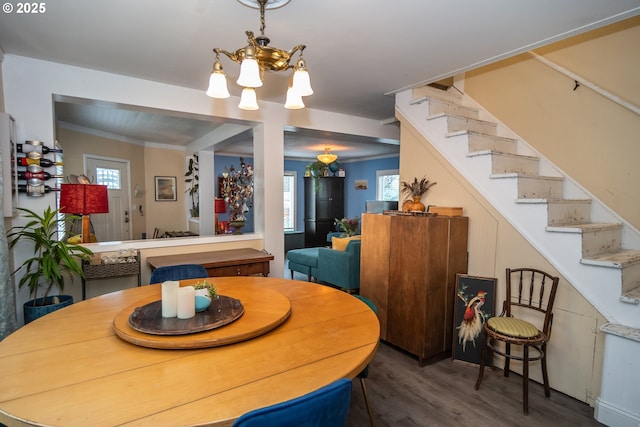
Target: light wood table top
column 69, row 368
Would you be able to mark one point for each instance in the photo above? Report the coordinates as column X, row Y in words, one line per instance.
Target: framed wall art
column 361, row 184
column 165, row 189
column 475, row 303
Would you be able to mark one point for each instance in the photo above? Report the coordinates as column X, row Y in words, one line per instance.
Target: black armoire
column 323, row 203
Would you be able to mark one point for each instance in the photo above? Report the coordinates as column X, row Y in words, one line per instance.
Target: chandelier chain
column 262, row 21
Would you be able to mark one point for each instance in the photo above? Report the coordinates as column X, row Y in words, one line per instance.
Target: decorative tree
column 238, row 190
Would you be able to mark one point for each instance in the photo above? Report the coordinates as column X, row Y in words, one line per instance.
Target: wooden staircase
column 597, row 251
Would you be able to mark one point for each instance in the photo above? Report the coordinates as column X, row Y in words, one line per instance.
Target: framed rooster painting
column 475, row 302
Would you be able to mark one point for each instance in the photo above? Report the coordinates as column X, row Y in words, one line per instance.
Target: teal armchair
column 340, row 268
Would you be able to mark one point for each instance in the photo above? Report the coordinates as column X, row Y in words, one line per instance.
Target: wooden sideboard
column 408, row 269
column 233, row 262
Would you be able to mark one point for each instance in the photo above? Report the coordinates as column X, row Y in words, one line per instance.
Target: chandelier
column 254, row 60
column 327, row 158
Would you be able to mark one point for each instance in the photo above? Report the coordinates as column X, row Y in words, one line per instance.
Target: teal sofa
column 340, row 268
column 304, row 261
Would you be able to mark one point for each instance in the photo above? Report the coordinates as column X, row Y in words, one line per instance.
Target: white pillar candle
column 170, row 298
column 186, row 302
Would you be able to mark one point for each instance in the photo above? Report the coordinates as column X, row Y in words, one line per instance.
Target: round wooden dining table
column 79, row 367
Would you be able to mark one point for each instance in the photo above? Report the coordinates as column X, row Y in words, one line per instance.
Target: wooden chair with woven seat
column 528, row 290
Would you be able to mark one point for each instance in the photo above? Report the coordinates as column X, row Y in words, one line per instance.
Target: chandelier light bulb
column 301, row 80
column 249, row 70
column 294, row 100
column 248, row 100
column 218, row 83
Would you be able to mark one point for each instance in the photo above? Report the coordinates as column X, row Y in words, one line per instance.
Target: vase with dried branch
column 415, row 190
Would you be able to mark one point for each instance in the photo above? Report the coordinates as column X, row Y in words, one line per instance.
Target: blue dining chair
column 178, row 272
column 365, row 372
column 325, row 407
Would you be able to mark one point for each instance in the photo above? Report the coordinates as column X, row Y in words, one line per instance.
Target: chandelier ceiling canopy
column 327, row 157
column 258, row 57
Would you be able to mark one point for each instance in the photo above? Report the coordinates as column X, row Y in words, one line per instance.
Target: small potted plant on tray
column 52, row 260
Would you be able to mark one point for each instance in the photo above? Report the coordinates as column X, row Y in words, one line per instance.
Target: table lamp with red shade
column 219, row 207
column 84, row 200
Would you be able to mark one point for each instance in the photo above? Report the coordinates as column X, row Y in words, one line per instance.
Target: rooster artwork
column 472, row 319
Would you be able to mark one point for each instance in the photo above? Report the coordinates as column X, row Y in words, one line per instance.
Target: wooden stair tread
column 587, row 227
column 520, row 175
column 620, row 259
column 500, row 153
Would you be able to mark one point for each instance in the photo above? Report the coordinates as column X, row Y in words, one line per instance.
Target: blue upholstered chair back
column 325, row 407
column 178, row 272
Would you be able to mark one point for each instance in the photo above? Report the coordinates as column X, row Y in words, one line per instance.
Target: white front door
column 114, row 173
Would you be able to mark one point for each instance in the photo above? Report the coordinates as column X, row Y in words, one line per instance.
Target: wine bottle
column 35, row 190
column 45, row 163
column 43, row 175
column 30, row 146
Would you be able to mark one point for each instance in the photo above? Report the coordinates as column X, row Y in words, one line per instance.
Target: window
column 108, row 177
column 388, row 185
column 289, row 200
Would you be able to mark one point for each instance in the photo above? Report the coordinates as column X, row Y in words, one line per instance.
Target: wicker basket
column 102, row 271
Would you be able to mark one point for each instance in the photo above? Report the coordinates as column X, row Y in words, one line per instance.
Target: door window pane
column 108, row 177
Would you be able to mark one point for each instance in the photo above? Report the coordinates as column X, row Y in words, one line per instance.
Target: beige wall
column 145, row 164
column 75, row 144
column 494, row 245
column 589, row 137
column 167, row 216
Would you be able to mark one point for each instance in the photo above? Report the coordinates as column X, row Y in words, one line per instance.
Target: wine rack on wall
column 39, row 168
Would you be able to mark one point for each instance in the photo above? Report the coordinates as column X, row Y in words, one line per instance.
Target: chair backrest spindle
column 538, row 295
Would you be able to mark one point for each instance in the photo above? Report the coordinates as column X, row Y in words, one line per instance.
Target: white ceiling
column 358, row 52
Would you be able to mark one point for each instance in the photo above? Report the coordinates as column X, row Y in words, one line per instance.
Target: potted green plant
column 52, row 260
column 415, row 190
column 317, row 168
column 192, row 180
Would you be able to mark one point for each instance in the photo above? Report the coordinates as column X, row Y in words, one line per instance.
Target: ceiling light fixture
column 327, row 158
column 257, row 57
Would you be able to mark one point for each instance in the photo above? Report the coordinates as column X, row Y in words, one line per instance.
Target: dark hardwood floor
column 403, row 394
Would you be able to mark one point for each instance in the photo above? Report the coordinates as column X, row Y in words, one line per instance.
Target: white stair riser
column 455, row 124
column 564, row 213
column 600, row 241
column 630, row 277
column 482, row 142
column 437, row 107
column 423, row 91
column 537, row 188
column 513, row 164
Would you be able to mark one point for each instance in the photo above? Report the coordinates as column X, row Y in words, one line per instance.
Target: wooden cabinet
column 408, row 269
column 323, row 203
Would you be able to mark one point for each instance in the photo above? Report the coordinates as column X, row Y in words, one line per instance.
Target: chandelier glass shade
column 327, row 157
column 256, row 58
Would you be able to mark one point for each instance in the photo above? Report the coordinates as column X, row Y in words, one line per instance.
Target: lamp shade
column 327, row 157
column 220, row 206
column 293, row 101
column 84, row 199
column 301, row 80
column 248, row 100
column 218, row 86
column 249, row 69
